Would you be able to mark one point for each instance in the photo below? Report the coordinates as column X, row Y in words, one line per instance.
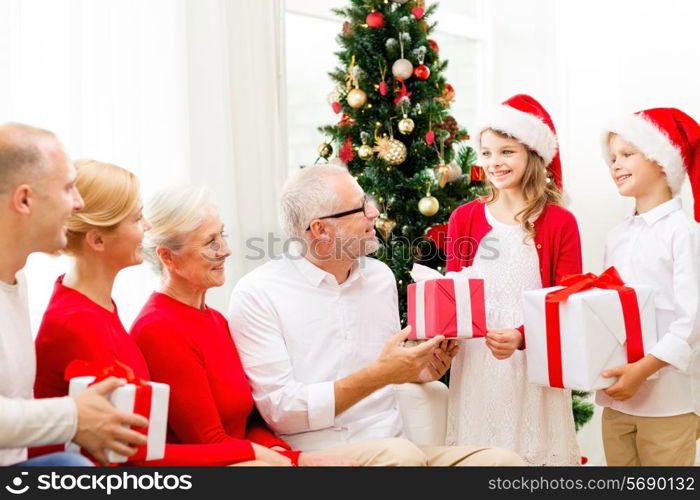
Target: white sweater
column 25, row 421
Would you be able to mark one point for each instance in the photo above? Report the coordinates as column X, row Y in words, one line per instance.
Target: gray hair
column 173, row 214
column 307, row 195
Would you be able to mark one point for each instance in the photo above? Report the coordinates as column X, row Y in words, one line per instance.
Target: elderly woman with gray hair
column 188, row 345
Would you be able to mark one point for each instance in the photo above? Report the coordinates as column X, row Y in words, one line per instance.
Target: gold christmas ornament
column 325, row 150
column 385, row 225
column 406, row 125
column 365, row 152
column 356, row 98
column 402, row 68
column 428, row 205
column 391, row 150
column 442, row 173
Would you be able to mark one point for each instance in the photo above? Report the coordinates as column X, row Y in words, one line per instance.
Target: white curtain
column 173, row 90
column 237, row 142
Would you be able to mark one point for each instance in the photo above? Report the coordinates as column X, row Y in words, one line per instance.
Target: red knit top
column 557, row 240
column 210, row 399
column 75, row 327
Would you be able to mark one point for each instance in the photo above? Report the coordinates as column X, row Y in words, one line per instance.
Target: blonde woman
column 518, row 238
column 82, row 320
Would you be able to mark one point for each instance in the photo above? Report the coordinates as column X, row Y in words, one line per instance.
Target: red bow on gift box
column 80, row 368
column 574, row 283
column 144, row 391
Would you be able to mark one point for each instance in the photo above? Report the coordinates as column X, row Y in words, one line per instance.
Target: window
column 311, row 30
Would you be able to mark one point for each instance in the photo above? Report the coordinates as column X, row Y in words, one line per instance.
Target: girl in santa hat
column 517, row 238
column 656, row 422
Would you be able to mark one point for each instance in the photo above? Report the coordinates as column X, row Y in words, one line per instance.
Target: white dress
column 491, row 402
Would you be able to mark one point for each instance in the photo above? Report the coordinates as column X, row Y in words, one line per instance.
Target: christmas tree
column 395, row 132
column 397, row 137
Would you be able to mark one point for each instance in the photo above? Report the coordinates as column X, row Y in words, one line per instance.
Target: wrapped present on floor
column 591, row 324
column 450, row 305
column 149, row 399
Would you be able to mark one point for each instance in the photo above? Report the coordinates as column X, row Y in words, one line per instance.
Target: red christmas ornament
column 346, row 121
column 336, row 107
column 417, row 12
column 477, row 174
column 422, row 72
column 430, row 137
column 375, row 20
column 438, row 235
column 433, row 45
column 346, row 153
column 383, row 89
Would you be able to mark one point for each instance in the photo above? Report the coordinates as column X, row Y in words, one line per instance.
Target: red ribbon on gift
column 574, row 283
column 142, row 397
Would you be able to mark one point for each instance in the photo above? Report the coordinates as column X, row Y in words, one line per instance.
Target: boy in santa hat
column 656, row 422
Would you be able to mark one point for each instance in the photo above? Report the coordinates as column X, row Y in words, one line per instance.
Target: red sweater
column 75, row 327
column 557, row 241
column 210, row 399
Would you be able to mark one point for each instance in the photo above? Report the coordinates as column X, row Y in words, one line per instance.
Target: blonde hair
column 110, row 194
column 173, row 214
column 538, row 188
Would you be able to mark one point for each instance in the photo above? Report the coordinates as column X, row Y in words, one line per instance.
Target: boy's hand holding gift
column 631, row 376
column 580, row 332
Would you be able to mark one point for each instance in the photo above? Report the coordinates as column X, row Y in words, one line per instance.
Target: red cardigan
column 75, row 327
column 210, row 399
column 557, row 240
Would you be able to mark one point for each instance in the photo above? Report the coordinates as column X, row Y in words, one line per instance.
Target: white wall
column 587, row 61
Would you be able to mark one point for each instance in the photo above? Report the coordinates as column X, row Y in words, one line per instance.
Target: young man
column 37, row 195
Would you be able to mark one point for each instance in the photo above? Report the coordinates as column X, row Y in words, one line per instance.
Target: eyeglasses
column 365, row 204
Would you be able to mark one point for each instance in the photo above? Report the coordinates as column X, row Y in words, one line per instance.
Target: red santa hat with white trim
column 525, row 119
column 668, row 137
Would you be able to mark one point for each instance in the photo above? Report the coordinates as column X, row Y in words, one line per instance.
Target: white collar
column 660, row 211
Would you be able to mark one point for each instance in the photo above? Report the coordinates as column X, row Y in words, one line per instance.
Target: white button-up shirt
column 661, row 248
column 298, row 331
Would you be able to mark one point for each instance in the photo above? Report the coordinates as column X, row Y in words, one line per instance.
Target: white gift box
column 592, row 333
column 124, row 398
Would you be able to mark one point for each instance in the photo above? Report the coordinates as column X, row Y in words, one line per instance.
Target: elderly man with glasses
column 319, row 334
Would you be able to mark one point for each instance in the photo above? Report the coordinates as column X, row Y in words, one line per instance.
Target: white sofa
column 424, row 412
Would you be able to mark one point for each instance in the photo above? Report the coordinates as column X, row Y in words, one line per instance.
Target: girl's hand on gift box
column 503, row 342
column 631, row 376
